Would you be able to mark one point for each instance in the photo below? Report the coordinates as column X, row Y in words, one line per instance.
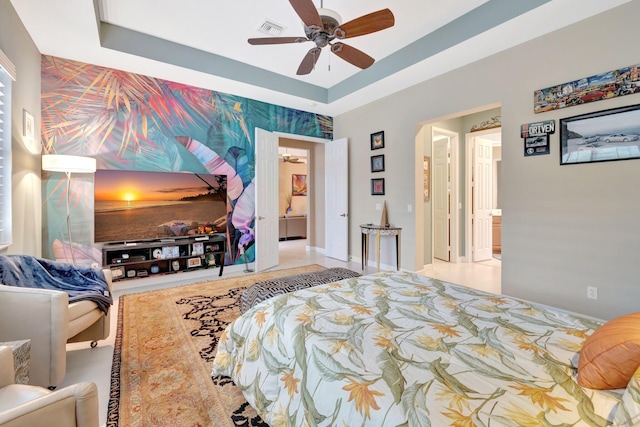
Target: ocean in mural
column 128, row 121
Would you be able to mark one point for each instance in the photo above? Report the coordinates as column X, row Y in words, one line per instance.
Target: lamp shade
column 65, row 163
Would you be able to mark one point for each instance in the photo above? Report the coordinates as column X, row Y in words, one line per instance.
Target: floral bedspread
column 399, row 349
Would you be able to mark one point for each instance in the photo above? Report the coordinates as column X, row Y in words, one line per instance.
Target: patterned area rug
column 165, row 344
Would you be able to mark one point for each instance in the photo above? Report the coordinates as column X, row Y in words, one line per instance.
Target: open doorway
column 483, row 205
column 293, row 193
column 326, row 211
column 447, row 215
column 445, row 143
column 321, row 212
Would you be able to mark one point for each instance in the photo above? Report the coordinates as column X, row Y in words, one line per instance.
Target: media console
column 142, row 258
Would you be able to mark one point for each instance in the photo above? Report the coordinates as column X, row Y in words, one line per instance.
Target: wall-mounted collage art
column 611, row 84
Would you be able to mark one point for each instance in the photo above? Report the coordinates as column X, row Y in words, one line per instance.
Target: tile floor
column 87, row 364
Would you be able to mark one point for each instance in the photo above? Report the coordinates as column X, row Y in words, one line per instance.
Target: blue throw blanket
column 80, row 283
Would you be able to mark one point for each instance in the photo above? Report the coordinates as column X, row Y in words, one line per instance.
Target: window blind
column 7, row 74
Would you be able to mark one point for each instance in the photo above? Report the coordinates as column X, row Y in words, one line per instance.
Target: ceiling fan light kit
column 333, row 16
column 323, row 26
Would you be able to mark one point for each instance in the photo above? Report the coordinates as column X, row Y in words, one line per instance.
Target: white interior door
column 482, row 199
column 337, row 199
column 266, row 182
column 441, row 199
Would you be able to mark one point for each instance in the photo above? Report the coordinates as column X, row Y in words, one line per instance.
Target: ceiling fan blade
column 352, row 55
column 307, row 11
column 277, row 40
column 309, row 61
column 366, row 24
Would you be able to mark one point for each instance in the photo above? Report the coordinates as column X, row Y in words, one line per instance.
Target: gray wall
column 26, row 192
column 564, row 227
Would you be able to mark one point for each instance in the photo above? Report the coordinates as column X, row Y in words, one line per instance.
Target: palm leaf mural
column 133, row 122
column 96, row 105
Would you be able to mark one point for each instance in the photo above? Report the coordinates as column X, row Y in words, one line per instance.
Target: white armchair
column 31, row 406
column 50, row 322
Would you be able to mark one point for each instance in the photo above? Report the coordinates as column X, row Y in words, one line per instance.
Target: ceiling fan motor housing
column 331, row 20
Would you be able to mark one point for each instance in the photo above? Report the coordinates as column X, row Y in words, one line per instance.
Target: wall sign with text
column 536, row 137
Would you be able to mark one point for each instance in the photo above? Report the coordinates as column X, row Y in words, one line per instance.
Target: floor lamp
column 68, row 165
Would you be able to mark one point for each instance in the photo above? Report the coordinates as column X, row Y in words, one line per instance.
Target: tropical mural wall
column 132, row 122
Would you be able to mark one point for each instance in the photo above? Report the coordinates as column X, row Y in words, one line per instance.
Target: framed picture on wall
column 601, row 136
column 377, row 140
column 377, row 187
column 28, row 125
column 298, row 185
column 426, row 178
column 377, row 163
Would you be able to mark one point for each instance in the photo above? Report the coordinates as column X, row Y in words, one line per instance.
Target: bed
column 399, row 349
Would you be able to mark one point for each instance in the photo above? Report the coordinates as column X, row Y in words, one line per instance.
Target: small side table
column 21, row 355
column 366, row 230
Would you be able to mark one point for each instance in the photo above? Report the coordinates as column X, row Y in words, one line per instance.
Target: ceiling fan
column 287, row 158
column 323, row 28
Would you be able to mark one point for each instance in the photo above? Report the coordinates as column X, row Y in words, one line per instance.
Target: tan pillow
column 611, row 355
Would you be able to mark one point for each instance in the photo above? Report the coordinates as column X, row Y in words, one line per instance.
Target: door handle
column 344, row 214
column 260, row 218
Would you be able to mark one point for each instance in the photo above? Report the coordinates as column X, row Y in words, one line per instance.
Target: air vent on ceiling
column 271, row 28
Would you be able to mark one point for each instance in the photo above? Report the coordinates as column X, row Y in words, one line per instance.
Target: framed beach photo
column 377, row 163
column 377, row 140
column 601, row 136
column 377, row 187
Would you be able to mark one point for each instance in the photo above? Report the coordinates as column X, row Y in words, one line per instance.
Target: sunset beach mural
column 134, row 205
